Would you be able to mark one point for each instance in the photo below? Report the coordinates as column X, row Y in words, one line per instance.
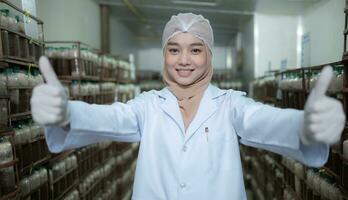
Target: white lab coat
column 203, row 163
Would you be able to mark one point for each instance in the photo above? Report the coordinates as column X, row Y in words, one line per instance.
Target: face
column 186, row 58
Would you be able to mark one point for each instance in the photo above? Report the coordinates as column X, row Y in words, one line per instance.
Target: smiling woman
column 187, row 44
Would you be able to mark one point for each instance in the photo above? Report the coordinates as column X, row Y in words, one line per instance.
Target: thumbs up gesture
column 324, row 118
column 49, row 102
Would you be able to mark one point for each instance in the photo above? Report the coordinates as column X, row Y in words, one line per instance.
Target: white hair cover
column 197, row 25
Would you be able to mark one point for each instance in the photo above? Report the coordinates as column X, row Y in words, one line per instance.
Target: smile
column 184, row 70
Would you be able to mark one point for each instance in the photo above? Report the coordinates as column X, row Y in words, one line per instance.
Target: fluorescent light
column 196, row 3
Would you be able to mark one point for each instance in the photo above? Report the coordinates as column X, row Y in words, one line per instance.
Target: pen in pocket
column 207, row 133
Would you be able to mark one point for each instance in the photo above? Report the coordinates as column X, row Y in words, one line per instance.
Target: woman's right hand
column 49, row 101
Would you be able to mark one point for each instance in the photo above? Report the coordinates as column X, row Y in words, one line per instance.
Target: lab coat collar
column 213, row 90
column 208, row 106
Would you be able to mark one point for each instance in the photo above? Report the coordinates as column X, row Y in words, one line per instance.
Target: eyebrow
column 177, row 44
column 197, row 44
column 172, row 43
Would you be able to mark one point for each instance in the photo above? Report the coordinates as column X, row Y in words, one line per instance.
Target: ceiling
column 226, row 16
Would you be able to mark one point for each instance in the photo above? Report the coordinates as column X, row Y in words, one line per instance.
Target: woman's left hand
column 324, row 118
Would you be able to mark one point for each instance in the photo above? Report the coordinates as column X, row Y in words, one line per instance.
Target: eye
column 173, row 51
column 196, row 51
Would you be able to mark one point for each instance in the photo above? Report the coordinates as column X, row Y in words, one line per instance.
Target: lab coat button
column 182, row 185
column 184, row 148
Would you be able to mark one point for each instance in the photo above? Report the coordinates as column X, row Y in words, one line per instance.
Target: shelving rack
column 21, row 51
column 294, row 95
column 95, row 157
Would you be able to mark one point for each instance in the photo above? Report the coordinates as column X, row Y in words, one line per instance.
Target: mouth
column 178, row 70
column 184, row 72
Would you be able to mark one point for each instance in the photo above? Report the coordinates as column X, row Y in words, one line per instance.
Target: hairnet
column 189, row 23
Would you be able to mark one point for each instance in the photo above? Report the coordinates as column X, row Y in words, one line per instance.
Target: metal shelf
column 79, row 78
column 61, row 195
column 20, row 116
column 65, row 175
column 19, row 59
column 20, row 87
column 5, row 63
column 35, row 164
column 31, row 40
column 9, row 164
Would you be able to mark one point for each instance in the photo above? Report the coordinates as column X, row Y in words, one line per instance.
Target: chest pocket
column 223, row 148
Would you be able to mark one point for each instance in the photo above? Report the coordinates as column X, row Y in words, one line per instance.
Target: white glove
column 49, row 102
column 324, row 118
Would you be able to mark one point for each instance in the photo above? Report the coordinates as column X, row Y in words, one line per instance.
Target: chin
column 184, row 82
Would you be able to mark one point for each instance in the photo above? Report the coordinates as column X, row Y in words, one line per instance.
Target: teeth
column 184, row 70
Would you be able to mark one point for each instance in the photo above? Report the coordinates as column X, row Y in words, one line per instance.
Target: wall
column 63, row 20
column 220, row 57
column 324, row 23
column 275, row 41
column 246, row 72
column 279, row 37
column 123, row 41
column 150, row 58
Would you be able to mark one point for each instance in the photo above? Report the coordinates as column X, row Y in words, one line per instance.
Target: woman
column 189, row 132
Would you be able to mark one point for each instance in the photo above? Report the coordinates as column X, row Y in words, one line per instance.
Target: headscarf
column 189, row 96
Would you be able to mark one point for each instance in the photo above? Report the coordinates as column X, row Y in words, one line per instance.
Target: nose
column 185, row 59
